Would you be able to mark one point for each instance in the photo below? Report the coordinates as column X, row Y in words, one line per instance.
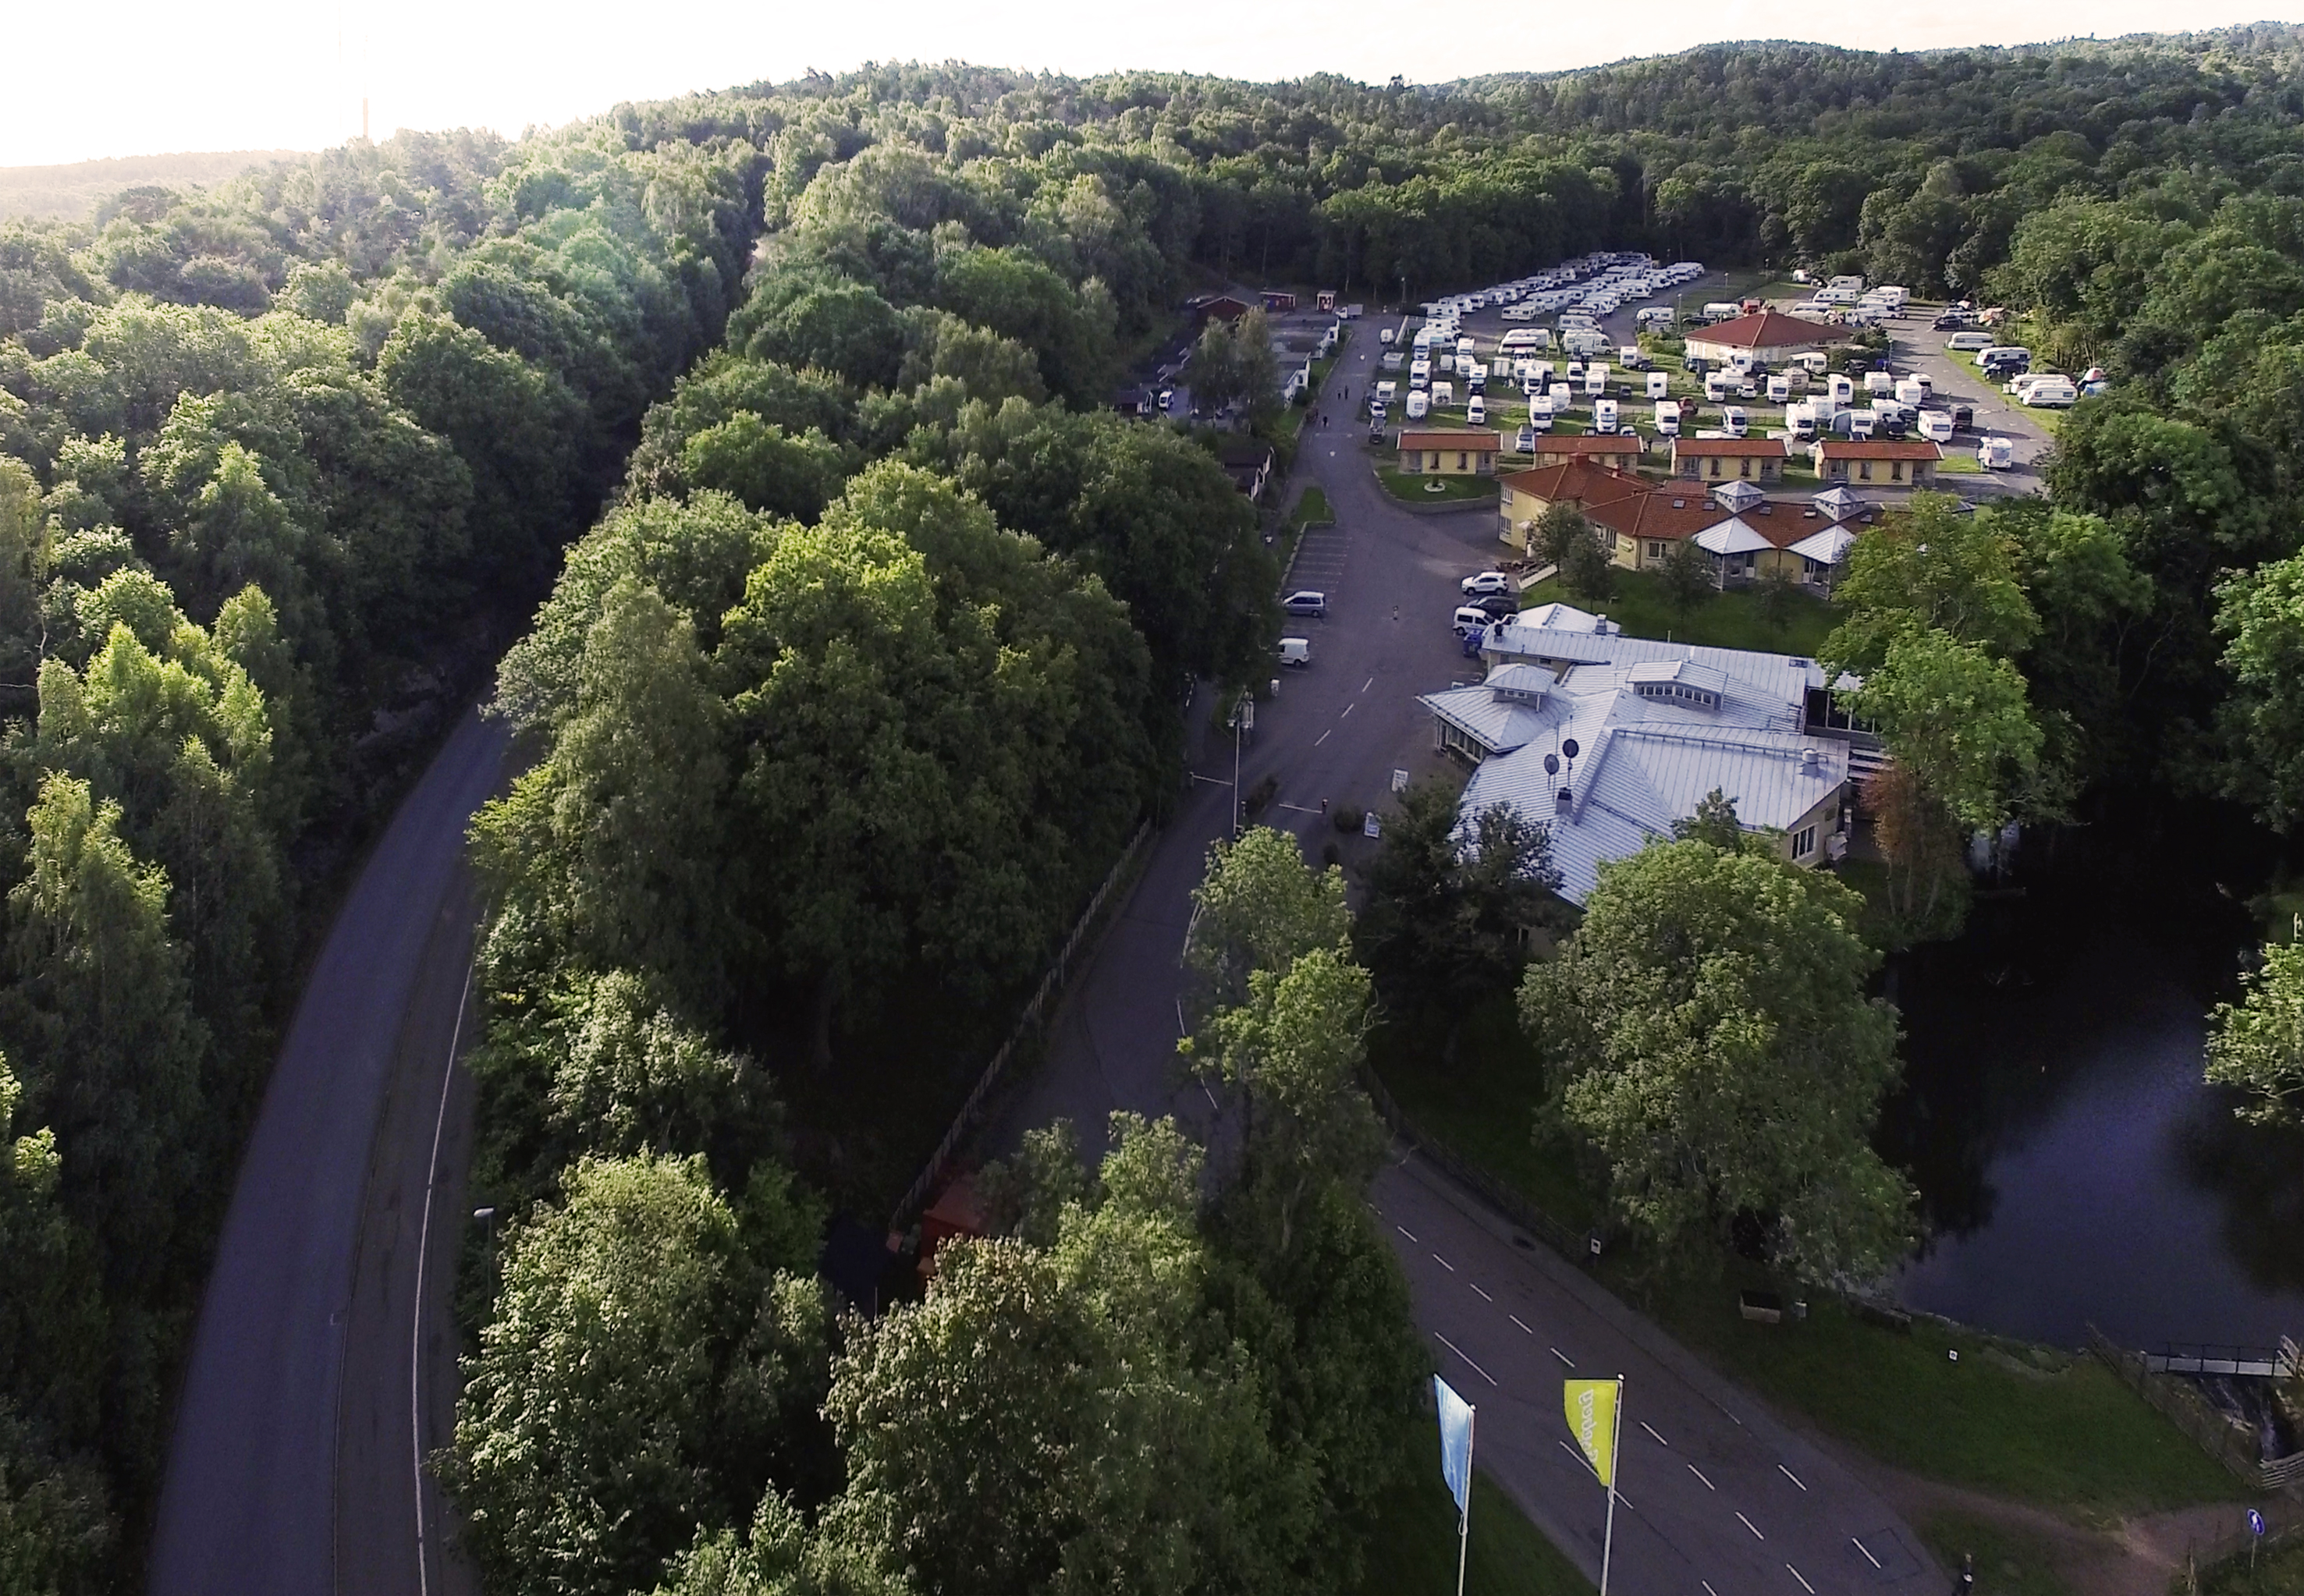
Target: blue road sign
column 2255, row 1522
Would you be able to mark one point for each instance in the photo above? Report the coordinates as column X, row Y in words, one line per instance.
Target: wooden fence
column 2222, row 1437
column 1051, row 987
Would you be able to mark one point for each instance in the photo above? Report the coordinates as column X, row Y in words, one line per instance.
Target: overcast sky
column 142, row 77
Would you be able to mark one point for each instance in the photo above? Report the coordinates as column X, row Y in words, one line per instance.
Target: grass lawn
column 1412, row 1547
column 1730, row 620
column 1480, row 1103
column 1409, row 487
column 2070, row 1436
column 2009, row 1562
column 1311, row 508
column 1959, row 463
column 2277, row 1573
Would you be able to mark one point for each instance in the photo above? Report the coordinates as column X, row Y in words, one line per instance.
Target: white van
column 1968, row 343
column 1386, row 334
column 1659, row 385
column 1667, row 418
column 1296, row 651
column 1470, row 621
column 1603, row 414
column 1476, row 410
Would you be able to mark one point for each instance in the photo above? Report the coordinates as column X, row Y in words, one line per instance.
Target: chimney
column 1811, row 762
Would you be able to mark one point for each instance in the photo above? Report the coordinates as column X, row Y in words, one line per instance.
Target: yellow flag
column 1592, row 1421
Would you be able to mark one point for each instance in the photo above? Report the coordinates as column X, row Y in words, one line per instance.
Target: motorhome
column 1659, row 385
column 1603, row 414
column 1420, row 373
column 1995, row 454
column 1525, row 338
column 1584, row 341
column 1595, row 378
column 1476, row 410
column 1386, row 392
column 1420, row 404
column 1780, row 390
column 1799, row 418
column 1667, row 418
column 1736, row 420
column 1716, row 386
column 1539, row 413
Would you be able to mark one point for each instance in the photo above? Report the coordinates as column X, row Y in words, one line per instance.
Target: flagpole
column 1615, row 1450
column 1464, row 1518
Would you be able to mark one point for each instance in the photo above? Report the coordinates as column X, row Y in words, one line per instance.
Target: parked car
column 1487, row 582
column 1306, row 602
column 1498, row 604
column 1470, row 621
column 1167, row 399
column 1296, row 652
column 1524, row 442
column 1954, row 321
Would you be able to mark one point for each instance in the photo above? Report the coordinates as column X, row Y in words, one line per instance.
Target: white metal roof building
column 1657, row 726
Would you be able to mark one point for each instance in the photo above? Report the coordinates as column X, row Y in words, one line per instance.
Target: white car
column 1487, row 582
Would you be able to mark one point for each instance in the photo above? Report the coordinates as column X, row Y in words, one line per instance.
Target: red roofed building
column 1879, row 461
column 1449, row 451
column 1647, row 525
column 1528, row 495
column 1768, row 338
column 1718, row 460
column 1620, row 449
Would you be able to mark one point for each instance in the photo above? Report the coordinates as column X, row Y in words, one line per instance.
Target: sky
column 159, row 76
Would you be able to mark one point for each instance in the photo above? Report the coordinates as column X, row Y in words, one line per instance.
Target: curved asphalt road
column 250, row 1504
column 1720, row 1498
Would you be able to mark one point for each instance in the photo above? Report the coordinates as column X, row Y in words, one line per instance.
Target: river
column 2074, row 1170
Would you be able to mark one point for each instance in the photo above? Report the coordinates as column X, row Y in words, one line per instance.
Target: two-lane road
column 250, row 1505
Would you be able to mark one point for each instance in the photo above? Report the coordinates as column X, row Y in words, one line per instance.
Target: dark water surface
column 2074, row 1170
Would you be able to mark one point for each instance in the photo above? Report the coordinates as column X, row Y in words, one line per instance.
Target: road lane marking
column 1708, row 1590
column 1804, row 1584
column 1181, row 1029
column 1348, row 709
column 1459, row 1351
column 1748, row 1524
column 1699, row 1472
column 1323, row 737
column 1484, row 1295
column 1563, row 1358
column 1443, row 1263
column 416, row 1314
column 1788, row 1475
column 1515, row 1319
column 1404, row 1231
column 1653, row 1435
column 1594, row 1473
column 1866, row 1551
column 1367, row 684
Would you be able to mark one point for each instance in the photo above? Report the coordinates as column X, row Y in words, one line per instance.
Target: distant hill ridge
column 71, row 193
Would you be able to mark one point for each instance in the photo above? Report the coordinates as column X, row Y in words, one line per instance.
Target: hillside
column 71, row 193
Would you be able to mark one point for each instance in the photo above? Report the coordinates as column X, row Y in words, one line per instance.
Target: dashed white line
column 1322, row 737
column 1708, row 1590
column 1563, row 1358
column 1484, row 1295
column 1594, row 1473
column 1515, row 1319
column 1348, row 709
column 1404, row 1231
column 1804, row 1584
column 1699, row 1472
column 1459, row 1351
column 1866, row 1551
column 1748, row 1524
column 1653, row 1435
column 1367, row 684
column 1788, row 1475
column 1443, row 1263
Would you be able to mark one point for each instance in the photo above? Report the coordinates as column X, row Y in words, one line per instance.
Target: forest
column 749, row 449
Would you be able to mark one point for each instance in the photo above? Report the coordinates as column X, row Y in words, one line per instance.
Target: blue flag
column 1455, row 1442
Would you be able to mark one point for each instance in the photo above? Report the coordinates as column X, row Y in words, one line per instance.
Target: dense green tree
column 1708, row 1029
column 1450, row 906
column 1932, row 566
column 2257, row 1043
column 1259, row 907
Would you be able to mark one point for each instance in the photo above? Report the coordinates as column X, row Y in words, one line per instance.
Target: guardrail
column 1051, row 986
column 2222, row 1437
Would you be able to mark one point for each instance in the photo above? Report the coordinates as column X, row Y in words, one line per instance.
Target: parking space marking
column 1748, row 1524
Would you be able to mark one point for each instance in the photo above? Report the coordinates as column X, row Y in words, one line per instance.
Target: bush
column 1349, row 820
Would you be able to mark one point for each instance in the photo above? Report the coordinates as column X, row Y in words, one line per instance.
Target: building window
column 1463, row 461
column 1657, row 549
column 1896, row 470
column 1744, row 466
column 1804, row 842
column 1715, row 465
column 1864, row 470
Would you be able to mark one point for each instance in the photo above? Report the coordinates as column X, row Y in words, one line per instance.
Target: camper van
column 1476, row 410
column 1935, row 427
column 1539, row 413
column 1801, row 419
column 1840, row 388
column 1386, row 392
column 1659, row 385
column 1995, row 454
column 1716, row 386
column 1723, row 310
column 1667, row 418
column 1595, row 378
column 1420, row 404
column 1780, row 390
column 1296, row 652
column 1603, row 414
column 1737, row 422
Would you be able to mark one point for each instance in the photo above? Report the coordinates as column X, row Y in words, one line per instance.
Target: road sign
column 2255, row 1522
column 1400, row 781
column 1370, row 826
